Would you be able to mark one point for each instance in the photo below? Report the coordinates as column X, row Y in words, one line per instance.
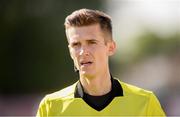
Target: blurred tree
column 34, row 54
column 150, row 44
column 147, row 45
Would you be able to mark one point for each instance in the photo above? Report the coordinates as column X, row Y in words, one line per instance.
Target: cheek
column 73, row 54
column 102, row 53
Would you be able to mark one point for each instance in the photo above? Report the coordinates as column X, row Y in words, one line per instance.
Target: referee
column 97, row 92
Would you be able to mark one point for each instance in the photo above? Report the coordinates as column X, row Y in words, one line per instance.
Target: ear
column 111, row 48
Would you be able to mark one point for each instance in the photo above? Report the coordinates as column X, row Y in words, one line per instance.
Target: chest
column 118, row 106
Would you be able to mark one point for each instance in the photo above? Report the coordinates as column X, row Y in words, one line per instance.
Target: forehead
column 84, row 32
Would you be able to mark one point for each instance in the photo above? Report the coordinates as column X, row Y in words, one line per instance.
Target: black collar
column 116, row 89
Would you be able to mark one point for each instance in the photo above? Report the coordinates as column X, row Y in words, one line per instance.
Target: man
column 97, row 93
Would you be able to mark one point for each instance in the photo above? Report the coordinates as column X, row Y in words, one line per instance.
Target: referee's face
column 88, row 49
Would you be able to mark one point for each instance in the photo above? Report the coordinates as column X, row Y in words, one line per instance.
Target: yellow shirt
column 134, row 102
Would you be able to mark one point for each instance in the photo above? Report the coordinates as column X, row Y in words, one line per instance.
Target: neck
column 97, row 85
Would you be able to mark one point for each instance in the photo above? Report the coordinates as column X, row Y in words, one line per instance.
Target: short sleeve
column 43, row 108
column 154, row 107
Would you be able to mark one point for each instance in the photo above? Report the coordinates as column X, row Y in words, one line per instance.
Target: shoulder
column 129, row 89
column 54, row 100
column 65, row 93
column 137, row 95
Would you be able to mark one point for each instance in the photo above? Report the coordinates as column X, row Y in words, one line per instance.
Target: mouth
column 84, row 63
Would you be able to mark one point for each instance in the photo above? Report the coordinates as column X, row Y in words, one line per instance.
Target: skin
column 90, row 48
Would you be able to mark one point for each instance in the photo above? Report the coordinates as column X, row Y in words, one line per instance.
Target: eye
column 92, row 42
column 75, row 44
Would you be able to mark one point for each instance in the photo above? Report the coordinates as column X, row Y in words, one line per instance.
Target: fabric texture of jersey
column 134, row 102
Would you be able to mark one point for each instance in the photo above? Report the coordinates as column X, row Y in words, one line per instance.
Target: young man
column 97, row 93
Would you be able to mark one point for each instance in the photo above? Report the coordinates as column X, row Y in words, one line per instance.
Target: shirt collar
column 116, row 89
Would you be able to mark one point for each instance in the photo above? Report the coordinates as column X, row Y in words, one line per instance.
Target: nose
column 84, row 51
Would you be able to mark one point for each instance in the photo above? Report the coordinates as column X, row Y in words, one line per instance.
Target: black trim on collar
column 115, row 92
column 116, row 87
column 79, row 92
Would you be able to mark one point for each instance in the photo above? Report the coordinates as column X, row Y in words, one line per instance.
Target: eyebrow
column 88, row 40
column 92, row 40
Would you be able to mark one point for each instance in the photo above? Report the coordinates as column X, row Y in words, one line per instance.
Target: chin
column 86, row 74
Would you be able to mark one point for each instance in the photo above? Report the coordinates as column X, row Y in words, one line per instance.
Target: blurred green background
column 34, row 53
column 34, row 56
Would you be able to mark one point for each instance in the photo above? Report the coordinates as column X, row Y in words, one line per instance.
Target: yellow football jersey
column 134, row 102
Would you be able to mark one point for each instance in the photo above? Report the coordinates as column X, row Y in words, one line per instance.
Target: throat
column 95, row 86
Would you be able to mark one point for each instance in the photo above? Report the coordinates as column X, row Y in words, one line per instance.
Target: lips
column 86, row 62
